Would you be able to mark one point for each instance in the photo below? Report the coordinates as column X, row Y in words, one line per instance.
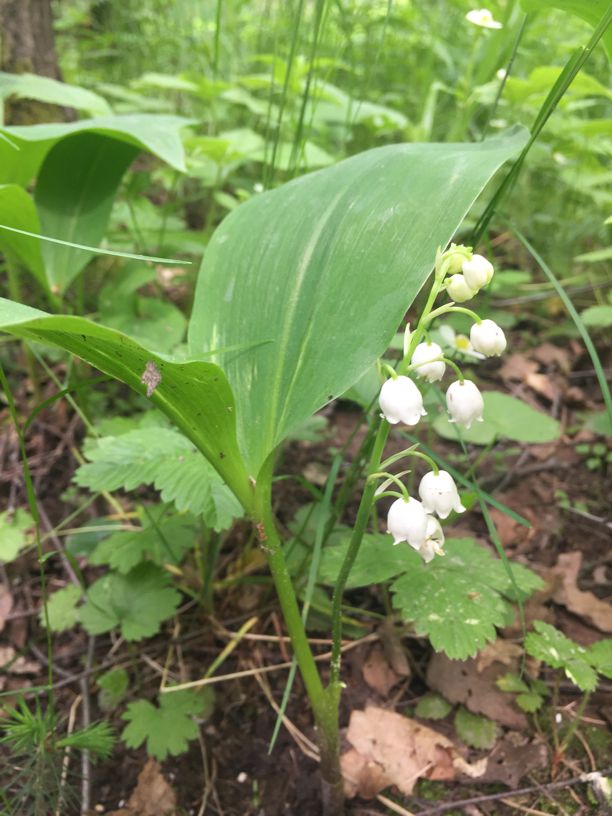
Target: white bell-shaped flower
column 488, row 338
column 401, row 401
column 427, row 359
column 465, row 403
column 477, row 272
column 407, row 521
column 458, row 289
column 439, row 494
column 434, row 541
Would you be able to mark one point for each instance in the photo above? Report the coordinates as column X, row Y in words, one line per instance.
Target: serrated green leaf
column 474, row 729
column 161, row 539
column 529, row 701
column 113, row 687
column 137, row 603
column 164, row 458
column 555, row 649
column 599, row 656
column 512, row 683
column 456, row 600
column 432, row 707
column 167, row 728
column 62, row 608
column 13, row 533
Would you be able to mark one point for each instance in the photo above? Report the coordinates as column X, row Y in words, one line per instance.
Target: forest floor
column 229, row 768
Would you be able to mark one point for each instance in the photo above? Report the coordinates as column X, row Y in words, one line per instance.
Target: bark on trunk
column 28, row 46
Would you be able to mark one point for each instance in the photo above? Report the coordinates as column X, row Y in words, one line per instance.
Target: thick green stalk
column 324, row 706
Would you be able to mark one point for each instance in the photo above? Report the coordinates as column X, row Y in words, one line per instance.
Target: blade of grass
column 556, row 93
column 578, row 322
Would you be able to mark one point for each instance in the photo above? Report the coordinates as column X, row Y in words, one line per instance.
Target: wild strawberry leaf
column 13, row 533
column 137, row 603
column 166, row 459
column 474, row 729
column 62, row 608
column 557, row 650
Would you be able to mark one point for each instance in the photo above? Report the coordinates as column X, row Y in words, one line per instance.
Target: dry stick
column 492, row 797
column 86, row 721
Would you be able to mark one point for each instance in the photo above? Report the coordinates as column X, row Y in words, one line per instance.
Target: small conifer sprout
column 438, row 493
column 477, row 272
column 488, row 338
column 465, row 403
column 401, row 401
column 407, row 521
column 426, row 358
column 458, row 289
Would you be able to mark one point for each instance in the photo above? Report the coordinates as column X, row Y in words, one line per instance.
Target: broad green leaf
column 529, row 701
column 505, row 417
column 14, row 527
column 74, row 193
column 474, row 729
column 137, row 603
column 152, row 133
column 45, row 89
column 432, row 707
column 599, row 656
column 591, row 11
column 555, row 649
column 167, row 728
column 378, row 560
column 166, row 459
column 62, row 608
column 457, row 600
column 325, row 268
column 194, row 395
column 18, row 210
column 597, row 317
column 113, row 687
column 512, row 682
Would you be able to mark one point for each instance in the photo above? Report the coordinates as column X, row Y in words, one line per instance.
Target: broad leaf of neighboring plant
column 457, row 600
column 505, row 417
column 62, row 608
column 45, row 89
column 168, row 728
column 80, row 166
column 18, row 210
column 589, row 10
column 194, row 395
column 166, row 459
column 136, row 603
column 321, row 272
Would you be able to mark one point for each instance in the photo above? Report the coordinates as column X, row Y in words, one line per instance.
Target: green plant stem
column 324, row 707
column 575, row 723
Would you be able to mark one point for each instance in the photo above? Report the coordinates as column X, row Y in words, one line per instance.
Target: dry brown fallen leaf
column 9, row 662
column 460, row 681
column 390, row 749
column 514, row 757
column 152, row 795
column 377, row 672
column 584, row 604
column 6, row 604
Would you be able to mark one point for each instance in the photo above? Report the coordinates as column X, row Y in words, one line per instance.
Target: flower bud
column 401, row 401
column 434, row 540
column 458, row 289
column 465, row 403
column 488, row 338
column 407, row 521
column 477, row 272
column 439, row 494
column 427, row 357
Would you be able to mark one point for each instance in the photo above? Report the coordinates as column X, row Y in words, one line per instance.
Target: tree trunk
column 28, row 46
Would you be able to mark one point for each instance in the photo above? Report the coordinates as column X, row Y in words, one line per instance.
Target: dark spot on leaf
column 151, row 377
column 221, row 455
